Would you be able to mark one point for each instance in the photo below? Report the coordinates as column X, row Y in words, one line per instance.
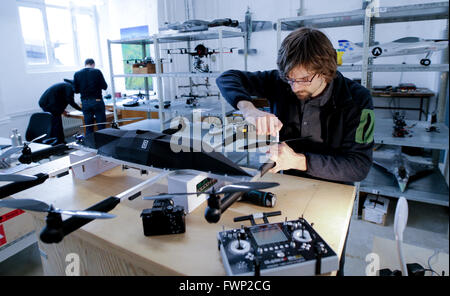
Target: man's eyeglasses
column 301, row 81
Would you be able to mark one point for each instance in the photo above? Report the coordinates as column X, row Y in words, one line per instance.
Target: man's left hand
column 286, row 158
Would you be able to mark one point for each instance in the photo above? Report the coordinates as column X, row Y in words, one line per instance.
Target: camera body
column 163, row 218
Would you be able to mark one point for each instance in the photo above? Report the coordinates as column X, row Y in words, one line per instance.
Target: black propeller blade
column 39, row 206
column 231, row 188
column 113, row 122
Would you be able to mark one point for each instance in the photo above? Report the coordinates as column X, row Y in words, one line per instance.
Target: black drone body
column 161, row 150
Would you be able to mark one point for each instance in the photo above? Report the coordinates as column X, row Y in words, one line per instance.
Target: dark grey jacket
column 347, row 122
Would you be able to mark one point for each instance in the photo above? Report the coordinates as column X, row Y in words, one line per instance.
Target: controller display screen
column 268, row 234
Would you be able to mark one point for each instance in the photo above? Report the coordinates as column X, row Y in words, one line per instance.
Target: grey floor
column 427, row 228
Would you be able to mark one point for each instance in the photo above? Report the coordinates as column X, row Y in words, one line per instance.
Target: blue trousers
column 57, row 130
column 93, row 109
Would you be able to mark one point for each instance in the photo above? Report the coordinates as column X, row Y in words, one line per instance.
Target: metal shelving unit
column 218, row 33
column 143, row 42
column 433, row 188
column 368, row 18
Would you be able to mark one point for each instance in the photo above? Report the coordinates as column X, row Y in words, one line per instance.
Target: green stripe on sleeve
column 365, row 130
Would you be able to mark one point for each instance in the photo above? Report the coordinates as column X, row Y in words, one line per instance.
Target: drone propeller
column 14, row 150
column 39, row 206
column 16, row 178
column 265, row 144
column 400, row 221
column 113, row 122
column 231, row 188
column 10, row 151
column 38, row 138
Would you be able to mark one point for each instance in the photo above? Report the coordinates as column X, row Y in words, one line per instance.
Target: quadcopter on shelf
column 400, row 126
column 200, row 54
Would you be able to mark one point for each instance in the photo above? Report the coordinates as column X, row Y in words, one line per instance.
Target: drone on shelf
column 199, row 54
column 199, row 25
column 192, row 99
column 143, row 62
column 402, row 168
column 400, row 126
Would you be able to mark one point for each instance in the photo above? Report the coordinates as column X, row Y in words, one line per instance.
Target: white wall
column 21, row 89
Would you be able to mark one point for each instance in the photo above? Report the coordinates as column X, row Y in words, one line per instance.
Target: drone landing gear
column 114, row 125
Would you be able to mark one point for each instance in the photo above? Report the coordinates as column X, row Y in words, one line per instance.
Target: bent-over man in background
column 55, row 100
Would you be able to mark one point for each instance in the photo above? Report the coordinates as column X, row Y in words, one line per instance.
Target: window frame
column 74, row 10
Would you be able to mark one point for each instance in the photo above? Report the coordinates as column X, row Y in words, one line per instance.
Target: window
column 61, row 37
column 58, row 34
column 86, row 36
column 33, row 35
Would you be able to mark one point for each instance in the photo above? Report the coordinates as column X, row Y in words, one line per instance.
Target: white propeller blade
column 400, row 221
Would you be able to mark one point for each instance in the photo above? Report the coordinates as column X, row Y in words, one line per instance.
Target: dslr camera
column 163, row 218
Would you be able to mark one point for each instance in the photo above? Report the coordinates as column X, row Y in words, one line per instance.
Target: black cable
column 429, row 259
column 424, row 270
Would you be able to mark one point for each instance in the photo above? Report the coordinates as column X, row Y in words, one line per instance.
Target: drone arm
column 15, row 187
column 49, row 235
column 228, row 200
column 266, row 167
column 215, row 209
column 28, row 158
column 74, row 223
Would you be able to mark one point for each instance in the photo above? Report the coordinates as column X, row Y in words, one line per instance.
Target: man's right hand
column 265, row 123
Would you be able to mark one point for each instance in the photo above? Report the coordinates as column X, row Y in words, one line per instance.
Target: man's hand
column 285, row 158
column 65, row 113
column 265, row 123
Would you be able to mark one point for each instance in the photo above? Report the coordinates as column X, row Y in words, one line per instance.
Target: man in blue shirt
column 89, row 83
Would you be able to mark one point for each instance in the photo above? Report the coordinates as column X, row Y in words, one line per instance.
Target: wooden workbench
column 118, row 246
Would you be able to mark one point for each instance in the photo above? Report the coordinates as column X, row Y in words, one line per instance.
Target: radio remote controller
column 284, row 248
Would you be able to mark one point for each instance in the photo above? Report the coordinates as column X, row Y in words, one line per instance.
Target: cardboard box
column 14, row 224
column 375, row 209
column 148, row 69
